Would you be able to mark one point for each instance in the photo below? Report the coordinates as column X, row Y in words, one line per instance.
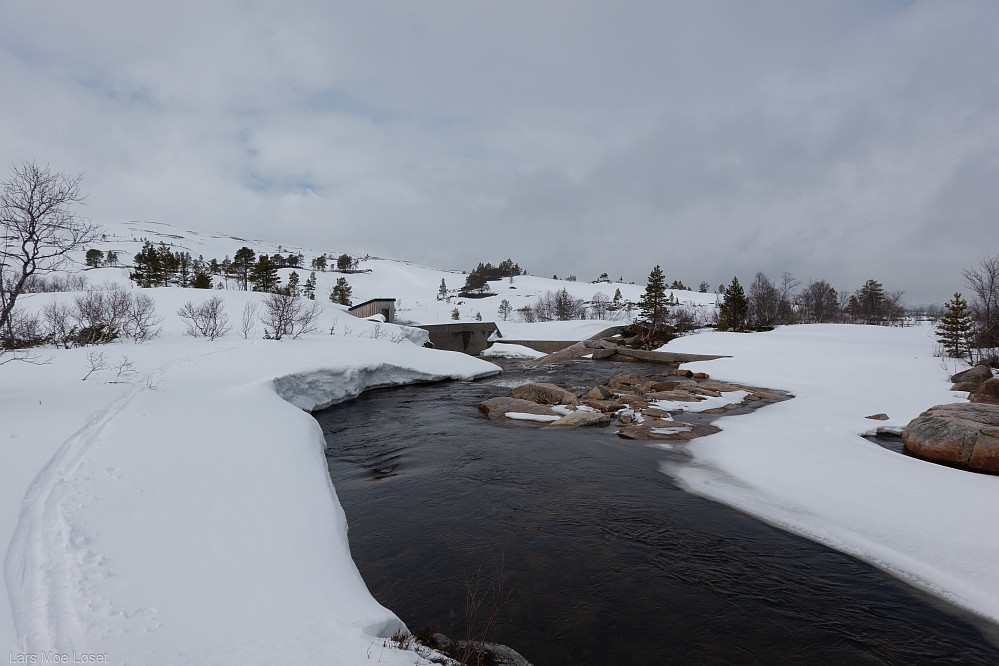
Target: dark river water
column 603, row 559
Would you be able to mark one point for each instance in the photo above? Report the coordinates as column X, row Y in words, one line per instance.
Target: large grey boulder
column 964, row 434
column 975, row 375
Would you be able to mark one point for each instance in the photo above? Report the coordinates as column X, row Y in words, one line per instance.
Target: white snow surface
column 802, row 465
column 504, row 350
column 709, row 402
column 525, row 416
column 187, row 517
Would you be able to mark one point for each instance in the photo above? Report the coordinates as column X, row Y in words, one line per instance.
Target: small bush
column 208, row 320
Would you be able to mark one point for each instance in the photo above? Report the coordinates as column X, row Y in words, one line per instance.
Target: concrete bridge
column 470, row 338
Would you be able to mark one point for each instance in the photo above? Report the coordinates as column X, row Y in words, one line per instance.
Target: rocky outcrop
column 975, row 375
column 581, row 418
column 965, row 434
column 987, row 393
column 544, row 393
column 497, row 408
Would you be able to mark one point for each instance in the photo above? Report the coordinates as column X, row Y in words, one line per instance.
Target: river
column 603, row 558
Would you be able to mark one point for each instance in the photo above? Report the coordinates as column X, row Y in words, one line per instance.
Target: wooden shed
column 376, row 306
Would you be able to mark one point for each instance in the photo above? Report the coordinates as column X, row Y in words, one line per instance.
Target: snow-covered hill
column 414, row 287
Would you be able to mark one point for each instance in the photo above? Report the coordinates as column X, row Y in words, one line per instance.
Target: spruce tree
column 341, row 292
column 442, row 292
column 654, row 303
column 734, row 309
column 955, row 328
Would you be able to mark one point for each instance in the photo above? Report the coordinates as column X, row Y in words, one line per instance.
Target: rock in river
column 545, row 394
column 964, row 434
column 581, row 418
column 497, row 408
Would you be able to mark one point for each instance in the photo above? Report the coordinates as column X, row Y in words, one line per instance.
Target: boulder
column 624, row 378
column 964, row 386
column 682, row 373
column 598, row 393
column 987, row 393
column 603, row 405
column 975, row 375
column 497, row 408
column 963, row 434
column 545, row 394
column 877, row 417
column 701, row 375
column 581, row 418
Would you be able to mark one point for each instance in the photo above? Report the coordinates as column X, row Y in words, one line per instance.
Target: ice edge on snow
column 314, row 390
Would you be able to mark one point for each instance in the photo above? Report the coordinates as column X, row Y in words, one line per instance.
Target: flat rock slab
column 497, row 408
column 581, row 418
column 966, row 435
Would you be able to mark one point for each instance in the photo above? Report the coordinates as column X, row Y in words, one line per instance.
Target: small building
column 376, row 306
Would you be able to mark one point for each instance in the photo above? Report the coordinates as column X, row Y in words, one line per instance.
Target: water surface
column 606, row 561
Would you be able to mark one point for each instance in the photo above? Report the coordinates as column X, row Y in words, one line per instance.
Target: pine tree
column 264, row 275
column 94, row 258
column 309, row 289
column 202, row 278
column 442, row 292
column 654, row 303
column 505, row 309
column 293, row 288
column 455, row 314
column 242, row 262
column 341, row 292
column 955, row 329
column 734, row 309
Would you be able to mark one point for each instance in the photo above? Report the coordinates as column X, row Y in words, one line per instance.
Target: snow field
column 802, row 465
column 191, row 518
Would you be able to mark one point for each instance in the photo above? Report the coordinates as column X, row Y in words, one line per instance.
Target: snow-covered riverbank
column 803, row 466
column 187, row 516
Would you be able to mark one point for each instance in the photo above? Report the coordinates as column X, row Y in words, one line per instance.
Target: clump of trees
column 477, row 281
column 554, row 306
column 983, row 281
column 288, row 316
column 99, row 316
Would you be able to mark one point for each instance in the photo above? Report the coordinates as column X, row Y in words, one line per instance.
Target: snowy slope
column 415, row 287
column 802, row 465
column 188, row 517
column 180, row 511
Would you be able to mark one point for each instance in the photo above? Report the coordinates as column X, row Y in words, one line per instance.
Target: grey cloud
column 837, row 140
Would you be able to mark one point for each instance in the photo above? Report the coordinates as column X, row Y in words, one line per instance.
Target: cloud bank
column 843, row 141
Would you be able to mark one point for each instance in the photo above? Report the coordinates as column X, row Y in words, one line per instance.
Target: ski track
column 49, row 569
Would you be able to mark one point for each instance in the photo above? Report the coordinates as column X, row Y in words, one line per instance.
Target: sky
column 832, row 140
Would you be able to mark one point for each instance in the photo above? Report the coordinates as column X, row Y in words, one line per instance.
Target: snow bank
column 802, row 465
column 504, row 350
column 188, row 516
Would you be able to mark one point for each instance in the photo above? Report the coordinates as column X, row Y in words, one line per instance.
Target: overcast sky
column 836, row 140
